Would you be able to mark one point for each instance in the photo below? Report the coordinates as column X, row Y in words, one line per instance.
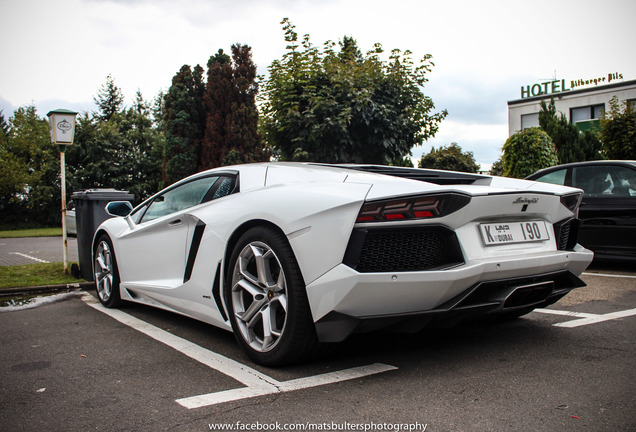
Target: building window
column 590, row 112
column 529, row 120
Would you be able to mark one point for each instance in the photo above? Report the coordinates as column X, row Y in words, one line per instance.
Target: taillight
column 422, row 207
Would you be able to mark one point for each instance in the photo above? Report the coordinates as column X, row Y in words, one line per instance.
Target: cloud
column 484, row 140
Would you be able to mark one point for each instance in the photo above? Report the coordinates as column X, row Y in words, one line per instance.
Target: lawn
column 34, row 232
column 34, row 275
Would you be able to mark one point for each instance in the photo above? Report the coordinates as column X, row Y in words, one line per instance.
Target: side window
column 138, row 213
column 605, row 181
column 222, row 187
column 555, row 177
column 180, row 198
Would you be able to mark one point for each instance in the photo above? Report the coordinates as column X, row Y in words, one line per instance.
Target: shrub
column 528, row 151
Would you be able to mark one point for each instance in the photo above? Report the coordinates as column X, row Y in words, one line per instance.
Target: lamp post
column 62, row 128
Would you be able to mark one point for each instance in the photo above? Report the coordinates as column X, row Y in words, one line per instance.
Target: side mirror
column 119, row 208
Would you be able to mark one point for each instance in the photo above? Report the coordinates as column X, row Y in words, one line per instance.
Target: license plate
column 514, row 232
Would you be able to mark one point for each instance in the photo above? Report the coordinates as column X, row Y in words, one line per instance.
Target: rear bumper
column 344, row 301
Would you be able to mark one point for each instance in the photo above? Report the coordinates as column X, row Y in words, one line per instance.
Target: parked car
column 608, row 210
column 71, row 221
column 291, row 255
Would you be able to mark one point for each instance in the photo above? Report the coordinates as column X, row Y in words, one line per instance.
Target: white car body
column 180, row 261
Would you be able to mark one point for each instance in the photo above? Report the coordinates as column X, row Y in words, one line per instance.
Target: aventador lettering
column 524, row 200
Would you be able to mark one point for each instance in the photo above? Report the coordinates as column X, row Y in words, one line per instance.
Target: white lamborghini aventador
column 292, row 255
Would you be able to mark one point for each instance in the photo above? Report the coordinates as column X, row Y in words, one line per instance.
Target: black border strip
column 194, row 249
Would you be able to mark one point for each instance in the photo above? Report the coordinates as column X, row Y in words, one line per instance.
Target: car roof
column 629, row 163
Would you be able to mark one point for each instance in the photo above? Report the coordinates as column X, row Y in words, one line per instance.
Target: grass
column 34, row 275
column 34, row 232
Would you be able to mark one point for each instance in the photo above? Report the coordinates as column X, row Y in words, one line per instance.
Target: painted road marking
column 29, row 257
column 257, row 383
column 284, row 386
column 609, row 275
column 586, row 318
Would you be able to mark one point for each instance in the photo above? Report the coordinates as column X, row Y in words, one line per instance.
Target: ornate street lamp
column 62, row 127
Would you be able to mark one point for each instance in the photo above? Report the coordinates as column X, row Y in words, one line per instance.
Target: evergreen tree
column 231, row 134
column 218, row 99
column 571, row 145
column 123, row 152
column 243, row 136
column 109, row 99
column 4, row 129
column 184, row 122
column 145, row 149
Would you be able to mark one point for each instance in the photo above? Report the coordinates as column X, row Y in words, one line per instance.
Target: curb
column 45, row 289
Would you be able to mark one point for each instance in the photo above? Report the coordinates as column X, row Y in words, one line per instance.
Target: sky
column 58, row 53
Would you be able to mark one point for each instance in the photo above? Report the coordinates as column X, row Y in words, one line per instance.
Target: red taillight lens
column 412, row 208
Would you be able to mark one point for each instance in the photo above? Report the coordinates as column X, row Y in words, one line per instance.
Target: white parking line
column 609, row 275
column 586, row 318
column 284, row 386
column 29, row 257
column 258, row 384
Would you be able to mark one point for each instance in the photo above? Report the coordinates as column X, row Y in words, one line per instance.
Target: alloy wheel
column 104, row 268
column 259, row 296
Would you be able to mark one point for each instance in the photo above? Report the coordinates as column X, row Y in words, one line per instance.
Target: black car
column 608, row 210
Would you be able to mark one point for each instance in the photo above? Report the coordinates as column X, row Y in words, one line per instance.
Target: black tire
column 106, row 273
column 268, row 305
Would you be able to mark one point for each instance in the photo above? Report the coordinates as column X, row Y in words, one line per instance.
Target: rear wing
column 428, row 175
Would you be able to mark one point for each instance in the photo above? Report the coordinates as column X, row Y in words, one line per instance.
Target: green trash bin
column 90, row 212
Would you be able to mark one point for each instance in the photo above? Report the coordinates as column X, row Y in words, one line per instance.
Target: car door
column 153, row 254
column 608, row 210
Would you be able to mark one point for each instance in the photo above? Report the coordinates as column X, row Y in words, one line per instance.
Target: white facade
column 579, row 106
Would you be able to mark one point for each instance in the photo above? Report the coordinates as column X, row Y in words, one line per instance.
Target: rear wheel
column 106, row 274
column 269, row 310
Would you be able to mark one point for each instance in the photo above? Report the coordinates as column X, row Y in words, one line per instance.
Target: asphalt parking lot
column 31, row 250
column 73, row 365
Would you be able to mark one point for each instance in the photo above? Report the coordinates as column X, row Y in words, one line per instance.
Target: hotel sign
column 558, row 86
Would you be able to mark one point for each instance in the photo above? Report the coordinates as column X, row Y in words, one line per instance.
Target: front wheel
column 106, row 273
column 269, row 310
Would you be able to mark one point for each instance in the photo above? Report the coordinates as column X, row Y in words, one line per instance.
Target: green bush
column 528, row 151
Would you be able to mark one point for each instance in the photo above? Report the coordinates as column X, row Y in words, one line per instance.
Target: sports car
column 295, row 256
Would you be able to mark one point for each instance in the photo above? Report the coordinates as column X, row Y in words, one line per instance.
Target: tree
column 243, row 136
column 124, row 152
column 528, row 151
column 497, row 168
column 4, row 129
column 29, row 172
column 145, row 149
column 571, row 145
column 406, row 162
column 342, row 106
column 231, row 132
column 450, row 158
column 109, row 99
column 618, row 130
column 218, row 100
column 184, row 122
